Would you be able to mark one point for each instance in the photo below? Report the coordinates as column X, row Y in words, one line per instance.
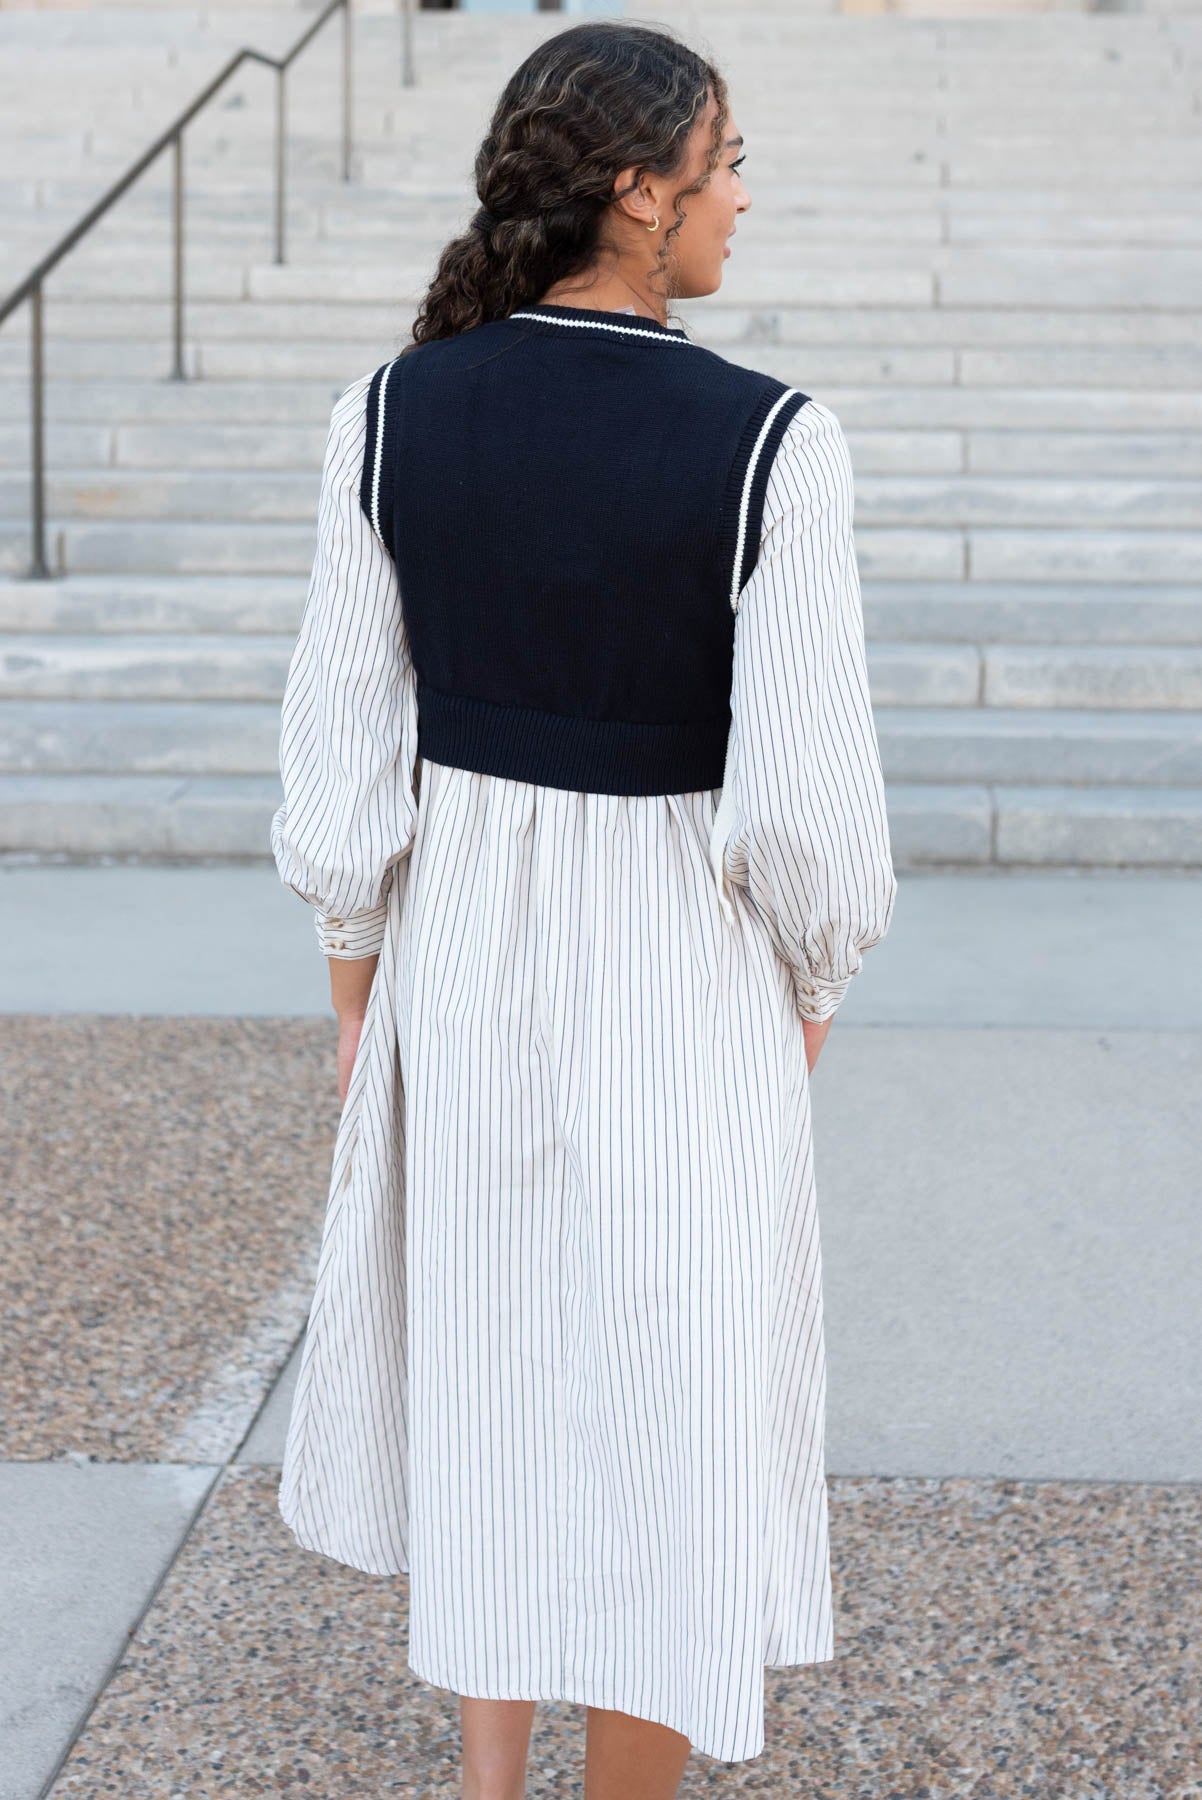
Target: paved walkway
column 1009, row 1158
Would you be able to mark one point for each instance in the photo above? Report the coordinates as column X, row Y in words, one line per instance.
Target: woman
column 581, row 777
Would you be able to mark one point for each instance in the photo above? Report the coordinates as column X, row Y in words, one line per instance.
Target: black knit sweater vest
column 573, row 500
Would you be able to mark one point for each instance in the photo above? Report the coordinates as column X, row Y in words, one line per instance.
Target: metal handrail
column 31, row 288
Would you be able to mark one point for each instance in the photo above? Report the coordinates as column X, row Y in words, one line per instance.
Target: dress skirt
column 565, row 1363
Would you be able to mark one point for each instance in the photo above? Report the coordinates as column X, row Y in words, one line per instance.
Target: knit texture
column 573, row 501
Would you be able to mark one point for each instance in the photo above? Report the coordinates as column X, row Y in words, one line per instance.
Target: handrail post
column 281, row 75
column 32, row 287
column 177, row 214
column 37, row 436
column 346, row 90
column 407, row 43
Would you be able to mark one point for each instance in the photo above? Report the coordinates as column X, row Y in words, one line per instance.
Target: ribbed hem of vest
column 599, row 756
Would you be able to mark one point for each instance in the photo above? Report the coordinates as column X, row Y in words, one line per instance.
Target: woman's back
column 574, row 1310
column 572, row 501
column 581, row 780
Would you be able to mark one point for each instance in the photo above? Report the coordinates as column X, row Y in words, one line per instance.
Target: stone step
column 125, row 666
column 253, row 666
column 169, row 816
column 1124, row 211
column 272, row 547
column 83, row 446
column 897, row 611
column 87, row 605
column 918, row 745
column 240, row 496
column 1052, row 555
column 1036, row 747
column 780, row 265
column 867, row 405
column 454, row 43
column 1135, row 676
column 832, row 275
column 1149, row 57
column 924, row 157
column 1107, row 827
column 939, row 499
column 927, row 126
column 158, row 398
column 237, row 222
column 1091, row 614
column 159, row 548
column 92, row 32
column 155, row 816
column 711, row 321
column 318, row 157
column 1064, row 276
column 1067, row 370
column 950, row 612
column 1148, row 456
column 932, row 122
column 462, row 70
column 921, row 149
column 999, row 298
column 140, row 737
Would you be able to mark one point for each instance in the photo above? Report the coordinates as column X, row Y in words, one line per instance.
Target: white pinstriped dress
column 565, row 1360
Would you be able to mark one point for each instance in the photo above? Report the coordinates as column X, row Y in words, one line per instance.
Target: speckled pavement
column 166, row 1179
column 993, row 1640
column 994, row 1637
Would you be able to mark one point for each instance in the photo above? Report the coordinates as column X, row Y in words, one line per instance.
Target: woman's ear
column 638, row 202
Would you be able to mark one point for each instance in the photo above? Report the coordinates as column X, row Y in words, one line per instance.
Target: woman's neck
column 608, row 294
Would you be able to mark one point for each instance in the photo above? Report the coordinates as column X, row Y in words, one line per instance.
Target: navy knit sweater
column 573, row 500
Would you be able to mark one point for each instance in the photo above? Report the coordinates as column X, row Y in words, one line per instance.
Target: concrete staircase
column 978, row 242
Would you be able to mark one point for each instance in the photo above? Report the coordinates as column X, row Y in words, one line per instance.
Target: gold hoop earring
column 654, row 227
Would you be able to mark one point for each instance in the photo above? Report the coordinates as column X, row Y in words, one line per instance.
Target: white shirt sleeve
column 348, row 733
column 809, row 838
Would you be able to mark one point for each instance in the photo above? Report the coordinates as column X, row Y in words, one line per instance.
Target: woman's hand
column 349, row 1032
column 350, row 989
column 815, row 1037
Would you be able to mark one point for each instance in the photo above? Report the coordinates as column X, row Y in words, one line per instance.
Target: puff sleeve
column 803, row 825
column 348, row 729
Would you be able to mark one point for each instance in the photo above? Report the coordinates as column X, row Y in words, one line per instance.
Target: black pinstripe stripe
column 565, row 1358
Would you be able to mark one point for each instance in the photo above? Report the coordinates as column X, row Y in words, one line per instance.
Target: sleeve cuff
column 356, row 935
column 818, row 1000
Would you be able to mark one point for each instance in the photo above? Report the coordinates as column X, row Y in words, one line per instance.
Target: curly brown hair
column 588, row 102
